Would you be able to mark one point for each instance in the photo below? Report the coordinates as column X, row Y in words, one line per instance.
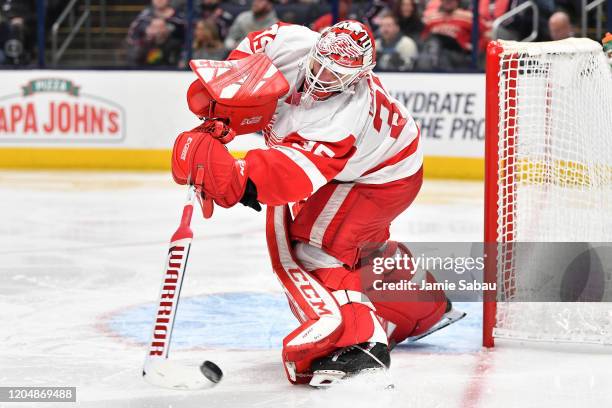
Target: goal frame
column 506, row 166
column 491, row 188
column 492, row 175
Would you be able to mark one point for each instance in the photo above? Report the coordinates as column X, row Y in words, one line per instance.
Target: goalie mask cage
column 548, row 178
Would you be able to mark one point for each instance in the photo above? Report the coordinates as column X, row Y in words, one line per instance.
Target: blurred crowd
column 16, row 35
column 410, row 34
column 18, row 26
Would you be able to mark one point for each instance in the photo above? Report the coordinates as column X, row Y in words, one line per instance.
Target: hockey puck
column 211, row 371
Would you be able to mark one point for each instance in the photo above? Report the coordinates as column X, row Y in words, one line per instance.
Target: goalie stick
column 158, row 369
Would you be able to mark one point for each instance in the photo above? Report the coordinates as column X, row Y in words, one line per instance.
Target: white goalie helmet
column 343, row 55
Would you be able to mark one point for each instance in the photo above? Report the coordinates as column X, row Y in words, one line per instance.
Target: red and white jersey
column 363, row 135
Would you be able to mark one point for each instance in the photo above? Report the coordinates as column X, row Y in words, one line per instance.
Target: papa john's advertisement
column 97, row 109
column 57, row 109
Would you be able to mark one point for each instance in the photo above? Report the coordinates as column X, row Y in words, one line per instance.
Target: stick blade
column 172, row 375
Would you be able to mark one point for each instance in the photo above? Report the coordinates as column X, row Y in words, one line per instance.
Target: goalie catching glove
column 199, row 157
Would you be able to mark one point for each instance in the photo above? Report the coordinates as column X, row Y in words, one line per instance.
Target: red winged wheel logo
column 341, row 44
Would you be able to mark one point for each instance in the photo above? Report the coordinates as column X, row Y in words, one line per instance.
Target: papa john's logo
column 57, row 109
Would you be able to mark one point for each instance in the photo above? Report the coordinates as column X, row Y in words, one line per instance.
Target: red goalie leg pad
column 418, row 311
column 407, row 319
column 309, row 299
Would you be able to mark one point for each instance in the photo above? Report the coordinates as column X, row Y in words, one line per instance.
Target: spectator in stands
column 260, row 16
column 159, row 47
column 16, row 33
column 491, row 10
column 376, row 10
column 326, row 20
column 210, row 10
column 560, row 26
column 409, row 20
column 4, row 36
column 394, row 50
column 573, row 8
column 521, row 25
column 447, row 37
column 158, row 9
column 289, row 16
column 206, row 42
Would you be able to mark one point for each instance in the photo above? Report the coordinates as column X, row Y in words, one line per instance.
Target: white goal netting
column 555, row 185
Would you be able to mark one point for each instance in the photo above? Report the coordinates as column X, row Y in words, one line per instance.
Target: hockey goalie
column 344, row 154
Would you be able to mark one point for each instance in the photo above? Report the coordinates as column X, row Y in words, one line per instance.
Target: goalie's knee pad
column 356, row 323
column 358, row 313
column 311, row 340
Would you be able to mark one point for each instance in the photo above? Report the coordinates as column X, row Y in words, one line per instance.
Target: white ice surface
column 82, row 257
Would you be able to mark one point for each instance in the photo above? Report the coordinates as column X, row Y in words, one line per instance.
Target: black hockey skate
column 350, row 361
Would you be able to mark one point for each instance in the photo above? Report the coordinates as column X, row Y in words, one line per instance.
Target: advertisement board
column 129, row 119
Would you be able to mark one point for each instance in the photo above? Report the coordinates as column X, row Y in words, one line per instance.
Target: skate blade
column 450, row 317
column 331, row 378
column 326, row 378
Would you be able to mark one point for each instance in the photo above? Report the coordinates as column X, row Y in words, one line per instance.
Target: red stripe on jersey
column 376, row 80
column 330, row 234
column 280, row 180
column 314, row 208
column 398, row 157
column 329, row 157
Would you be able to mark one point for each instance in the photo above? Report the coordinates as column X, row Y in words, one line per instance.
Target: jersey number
column 395, row 120
column 265, row 37
column 316, row 148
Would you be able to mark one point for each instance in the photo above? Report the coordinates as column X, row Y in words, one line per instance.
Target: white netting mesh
column 555, row 180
